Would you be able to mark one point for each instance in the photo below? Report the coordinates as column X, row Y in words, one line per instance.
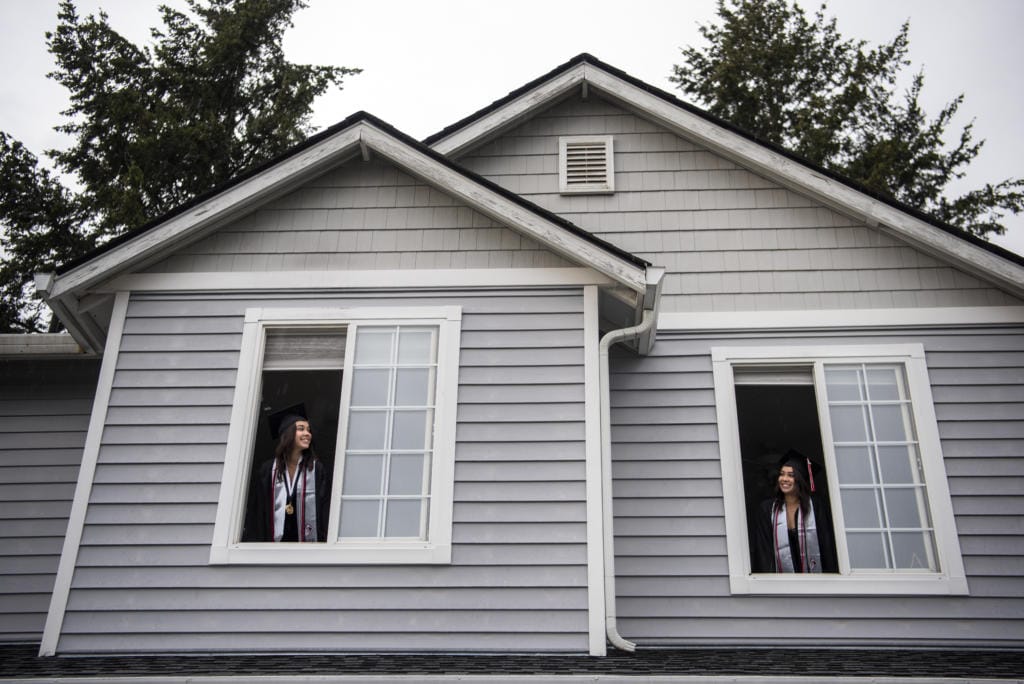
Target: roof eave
column 365, row 135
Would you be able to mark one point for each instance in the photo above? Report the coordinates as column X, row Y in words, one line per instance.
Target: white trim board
column 289, row 173
column 510, row 114
column 759, row 158
column 436, row 546
column 21, row 345
column 215, row 211
column 948, row 578
column 598, row 645
column 86, row 472
column 840, row 318
column 502, row 209
column 305, row 280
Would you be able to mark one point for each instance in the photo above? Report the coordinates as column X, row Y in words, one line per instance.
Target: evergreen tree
column 151, row 128
column 798, row 83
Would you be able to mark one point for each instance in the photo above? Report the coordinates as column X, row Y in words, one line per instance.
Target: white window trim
column 951, row 580
column 605, row 187
column 234, row 483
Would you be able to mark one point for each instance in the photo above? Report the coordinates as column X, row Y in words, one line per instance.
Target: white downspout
column 612, row 337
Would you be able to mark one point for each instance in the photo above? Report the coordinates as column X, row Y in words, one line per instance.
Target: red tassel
column 810, row 475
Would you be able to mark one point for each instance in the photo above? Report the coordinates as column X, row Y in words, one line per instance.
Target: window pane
column 899, row 464
column 374, row 346
column 416, row 345
column 914, row 550
column 370, row 386
column 367, row 429
column 854, row 465
column 860, row 508
column 884, row 383
column 395, row 367
column 410, row 430
column 843, row 383
column 892, row 422
column 904, row 508
column 359, row 518
column 364, row 474
column 848, row 423
column 403, row 518
column 867, row 549
column 406, row 474
column 414, row 387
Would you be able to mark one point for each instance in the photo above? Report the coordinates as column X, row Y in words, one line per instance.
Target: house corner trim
column 595, row 521
column 86, row 473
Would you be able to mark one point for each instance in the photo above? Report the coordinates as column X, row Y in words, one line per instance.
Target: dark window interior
column 320, row 391
column 772, row 420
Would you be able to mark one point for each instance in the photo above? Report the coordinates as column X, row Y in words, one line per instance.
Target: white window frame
column 605, row 187
column 949, row 580
column 436, row 548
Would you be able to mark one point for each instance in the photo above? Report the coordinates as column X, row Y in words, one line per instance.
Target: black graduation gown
column 764, row 546
column 261, row 503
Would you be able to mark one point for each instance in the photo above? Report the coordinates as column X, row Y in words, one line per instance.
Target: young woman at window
column 290, row 496
column 794, row 528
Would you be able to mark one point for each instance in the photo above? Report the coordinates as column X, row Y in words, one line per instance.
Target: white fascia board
column 793, row 174
column 215, row 211
column 839, row 318
column 757, row 157
column 18, row 345
column 509, row 114
column 504, row 210
column 389, row 279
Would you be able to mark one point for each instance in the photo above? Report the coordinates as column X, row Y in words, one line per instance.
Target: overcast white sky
column 428, row 63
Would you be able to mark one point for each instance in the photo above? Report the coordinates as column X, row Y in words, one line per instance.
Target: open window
column 864, row 416
column 380, row 389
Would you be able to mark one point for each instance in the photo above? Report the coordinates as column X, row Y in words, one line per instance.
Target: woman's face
column 303, row 434
column 787, row 480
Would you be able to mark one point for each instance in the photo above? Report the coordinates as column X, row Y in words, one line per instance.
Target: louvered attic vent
column 586, row 164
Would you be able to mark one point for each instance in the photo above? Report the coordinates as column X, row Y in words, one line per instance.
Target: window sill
column 415, row 553
column 861, row 584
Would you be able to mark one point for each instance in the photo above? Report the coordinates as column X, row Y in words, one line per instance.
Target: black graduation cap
column 279, row 421
column 800, row 464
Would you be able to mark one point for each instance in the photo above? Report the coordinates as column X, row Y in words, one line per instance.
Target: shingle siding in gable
column 730, row 239
column 45, row 407
column 671, row 558
column 518, row 577
column 362, row 216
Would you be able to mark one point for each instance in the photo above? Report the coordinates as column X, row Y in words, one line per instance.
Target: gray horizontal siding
column 361, row 216
column 730, row 239
column 518, row 578
column 671, row 557
column 44, row 416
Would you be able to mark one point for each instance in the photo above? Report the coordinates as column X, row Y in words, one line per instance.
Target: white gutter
column 612, row 337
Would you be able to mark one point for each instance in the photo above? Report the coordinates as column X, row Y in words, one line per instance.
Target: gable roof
column 359, row 135
column 990, row 262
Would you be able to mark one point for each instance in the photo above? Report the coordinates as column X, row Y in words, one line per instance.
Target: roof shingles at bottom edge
column 21, row 662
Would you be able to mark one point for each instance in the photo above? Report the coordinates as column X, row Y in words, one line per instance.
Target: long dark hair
column 285, row 442
column 803, row 489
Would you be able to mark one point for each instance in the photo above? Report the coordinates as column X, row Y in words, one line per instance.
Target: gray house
column 551, row 355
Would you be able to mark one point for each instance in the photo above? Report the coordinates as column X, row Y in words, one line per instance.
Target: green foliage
column 151, row 127
column 798, row 83
column 42, row 224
